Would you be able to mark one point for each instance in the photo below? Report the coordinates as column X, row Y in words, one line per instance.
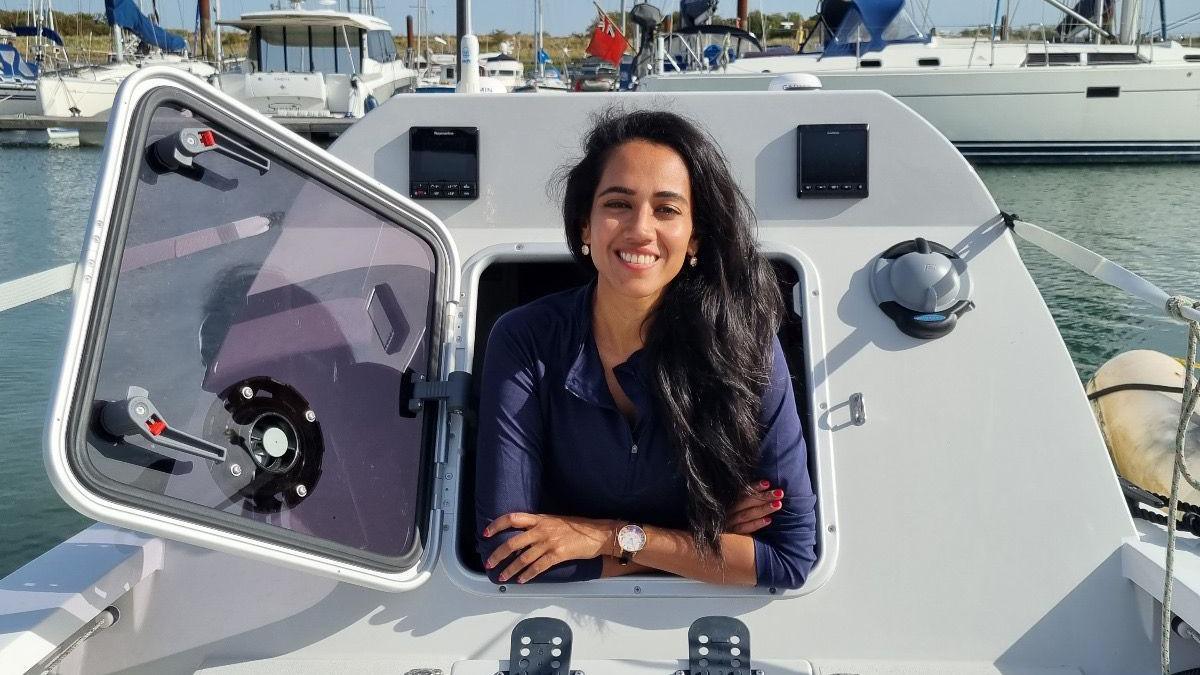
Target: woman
column 646, row 421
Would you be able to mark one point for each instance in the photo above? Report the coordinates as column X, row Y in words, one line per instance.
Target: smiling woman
column 645, row 421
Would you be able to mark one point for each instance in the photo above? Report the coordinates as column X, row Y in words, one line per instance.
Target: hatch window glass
column 1098, row 58
column 249, row 365
column 296, row 54
column 1053, row 59
column 902, row 28
column 380, row 46
column 852, row 30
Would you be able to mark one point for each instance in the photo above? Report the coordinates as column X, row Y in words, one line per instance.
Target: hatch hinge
column 453, row 390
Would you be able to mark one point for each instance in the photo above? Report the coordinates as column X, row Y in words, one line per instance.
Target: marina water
column 1143, row 216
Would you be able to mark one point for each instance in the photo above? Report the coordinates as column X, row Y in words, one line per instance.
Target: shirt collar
column 585, row 377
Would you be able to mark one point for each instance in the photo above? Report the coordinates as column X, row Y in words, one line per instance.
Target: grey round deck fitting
column 922, row 286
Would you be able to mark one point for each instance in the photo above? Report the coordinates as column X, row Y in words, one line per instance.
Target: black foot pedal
column 540, row 646
column 719, row 645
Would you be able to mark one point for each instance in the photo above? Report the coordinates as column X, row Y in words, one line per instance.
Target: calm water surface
column 1144, row 217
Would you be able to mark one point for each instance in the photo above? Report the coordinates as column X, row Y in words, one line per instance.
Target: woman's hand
column 753, row 512
column 547, row 541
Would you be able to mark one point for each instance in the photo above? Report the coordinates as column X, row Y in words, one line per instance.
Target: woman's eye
column 616, row 204
column 669, row 210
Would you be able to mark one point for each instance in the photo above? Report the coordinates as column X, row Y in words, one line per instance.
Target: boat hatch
column 255, row 325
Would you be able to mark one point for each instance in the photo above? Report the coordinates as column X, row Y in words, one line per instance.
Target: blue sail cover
column 125, row 13
column 864, row 28
column 31, row 31
column 13, row 67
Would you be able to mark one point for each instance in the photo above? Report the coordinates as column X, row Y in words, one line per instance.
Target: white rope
column 1176, row 306
column 36, row 286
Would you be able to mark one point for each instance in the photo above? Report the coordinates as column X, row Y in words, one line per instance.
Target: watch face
column 631, row 538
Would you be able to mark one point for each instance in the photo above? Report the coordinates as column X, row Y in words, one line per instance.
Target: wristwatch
column 630, row 539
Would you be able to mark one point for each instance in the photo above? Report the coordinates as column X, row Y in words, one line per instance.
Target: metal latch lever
column 137, row 416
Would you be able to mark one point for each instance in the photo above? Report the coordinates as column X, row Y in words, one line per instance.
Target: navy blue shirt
column 552, row 440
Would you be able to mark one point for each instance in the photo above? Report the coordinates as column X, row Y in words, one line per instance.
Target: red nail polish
column 766, row 521
column 487, row 532
column 776, row 505
column 489, row 565
column 764, row 484
column 778, row 493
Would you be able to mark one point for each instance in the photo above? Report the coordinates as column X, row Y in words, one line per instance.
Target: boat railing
column 1045, row 46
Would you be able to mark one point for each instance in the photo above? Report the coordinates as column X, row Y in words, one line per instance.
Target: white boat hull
column 1010, row 113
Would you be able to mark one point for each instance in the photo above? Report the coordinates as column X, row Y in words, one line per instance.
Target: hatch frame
column 125, row 123
column 805, row 302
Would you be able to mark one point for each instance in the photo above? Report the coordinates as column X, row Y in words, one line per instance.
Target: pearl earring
column 585, row 249
column 693, row 261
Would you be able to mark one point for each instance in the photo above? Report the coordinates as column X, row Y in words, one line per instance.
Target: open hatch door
column 250, row 317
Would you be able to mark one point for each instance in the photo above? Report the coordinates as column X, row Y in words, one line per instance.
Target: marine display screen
column 832, row 161
column 443, row 163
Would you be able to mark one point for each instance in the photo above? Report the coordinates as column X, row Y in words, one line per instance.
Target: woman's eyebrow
column 662, row 194
column 619, row 189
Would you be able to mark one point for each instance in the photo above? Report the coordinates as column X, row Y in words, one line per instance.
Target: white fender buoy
column 1139, row 425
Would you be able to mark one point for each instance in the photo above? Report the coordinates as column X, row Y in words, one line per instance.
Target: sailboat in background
column 137, row 42
column 44, row 52
column 545, row 79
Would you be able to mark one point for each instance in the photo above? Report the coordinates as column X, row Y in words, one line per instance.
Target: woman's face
column 640, row 226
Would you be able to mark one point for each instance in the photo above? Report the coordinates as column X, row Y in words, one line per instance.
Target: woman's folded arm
column 510, row 444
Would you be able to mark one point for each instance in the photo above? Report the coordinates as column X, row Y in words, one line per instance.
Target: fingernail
column 766, row 521
column 778, row 493
column 776, row 505
column 487, row 532
column 489, row 565
column 503, row 577
column 764, row 484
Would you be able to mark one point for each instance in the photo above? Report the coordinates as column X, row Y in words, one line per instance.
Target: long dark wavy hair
column 708, row 342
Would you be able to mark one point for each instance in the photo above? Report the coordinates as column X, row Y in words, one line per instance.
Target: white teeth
column 636, row 259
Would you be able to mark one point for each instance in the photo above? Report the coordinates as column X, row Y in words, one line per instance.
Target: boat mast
column 205, row 18
column 1130, row 20
column 468, row 51
column 118, row 43
column 537, row 47
column 217, row 35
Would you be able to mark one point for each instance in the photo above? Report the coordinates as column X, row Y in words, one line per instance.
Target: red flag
column 607, row 42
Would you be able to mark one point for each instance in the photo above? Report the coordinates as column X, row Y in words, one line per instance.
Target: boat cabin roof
column 307, row 18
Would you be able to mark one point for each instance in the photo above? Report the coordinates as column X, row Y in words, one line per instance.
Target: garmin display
column 831, row 161
column 443, row 163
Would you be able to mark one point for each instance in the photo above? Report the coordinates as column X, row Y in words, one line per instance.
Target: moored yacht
column 1009, row 101
column 502, row 68
column 316, row 63
column 88, row 91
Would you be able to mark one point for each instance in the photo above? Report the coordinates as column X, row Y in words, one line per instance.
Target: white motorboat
column 317, row 63
column 998, row 101
column 502, row 67
column 268, row 374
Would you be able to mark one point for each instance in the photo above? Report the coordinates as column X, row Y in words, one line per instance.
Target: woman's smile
column 637, row 261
